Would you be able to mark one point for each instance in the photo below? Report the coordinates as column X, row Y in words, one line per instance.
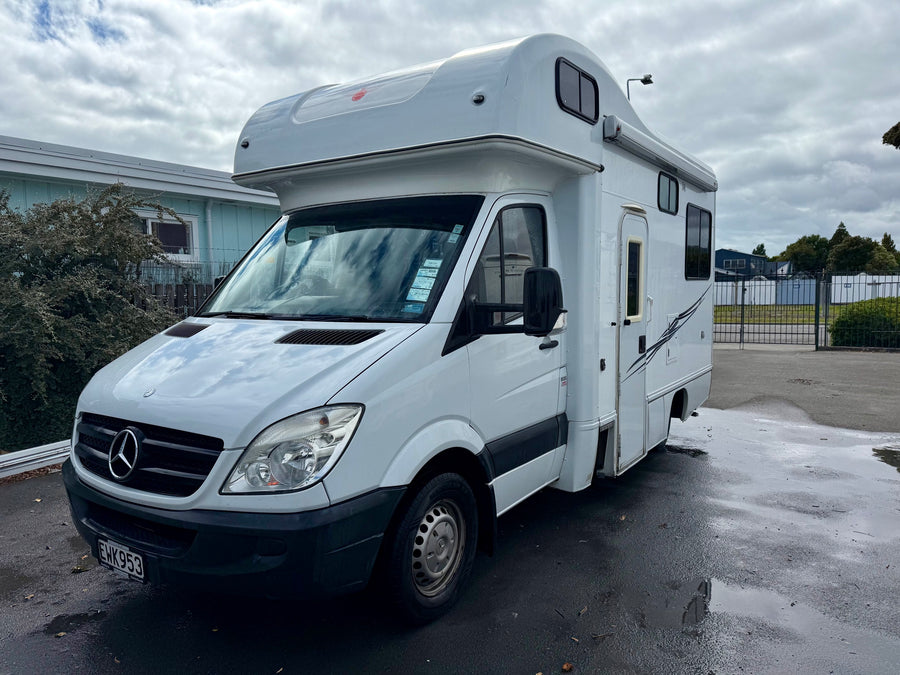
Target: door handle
column 642, row 344
column 549, row 345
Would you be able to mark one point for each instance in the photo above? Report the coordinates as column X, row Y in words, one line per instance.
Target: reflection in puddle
column 698, row 607
column 889, row 454
column 712, row 596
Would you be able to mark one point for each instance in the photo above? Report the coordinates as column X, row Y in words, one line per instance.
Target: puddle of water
column 696, row 600
column 66, row 623
column 889, row 454
column 685, row 450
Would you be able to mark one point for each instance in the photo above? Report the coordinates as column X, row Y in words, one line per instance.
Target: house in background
column 731, row 264
column 221, row 219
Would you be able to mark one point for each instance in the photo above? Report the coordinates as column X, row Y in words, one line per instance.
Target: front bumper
column 326, row 551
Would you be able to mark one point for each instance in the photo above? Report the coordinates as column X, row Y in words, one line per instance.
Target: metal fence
column 855, row 310
column 183, row 286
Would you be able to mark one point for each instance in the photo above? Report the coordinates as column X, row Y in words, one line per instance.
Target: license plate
column 121, row 558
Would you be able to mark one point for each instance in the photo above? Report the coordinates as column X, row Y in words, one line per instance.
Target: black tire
column 432, row 550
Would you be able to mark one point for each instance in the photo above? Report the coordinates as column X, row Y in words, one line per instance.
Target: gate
column 829, row 311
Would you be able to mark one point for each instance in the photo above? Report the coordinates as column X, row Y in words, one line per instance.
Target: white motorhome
column 490, row 278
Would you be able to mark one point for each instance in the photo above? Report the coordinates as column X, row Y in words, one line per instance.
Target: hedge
column 870, row 323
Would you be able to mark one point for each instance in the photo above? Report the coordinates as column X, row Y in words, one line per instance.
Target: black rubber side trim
column 520, row 447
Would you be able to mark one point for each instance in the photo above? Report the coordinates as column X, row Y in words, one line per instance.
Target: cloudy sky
column 786, row 100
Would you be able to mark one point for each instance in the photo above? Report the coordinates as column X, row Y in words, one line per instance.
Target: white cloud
column 787, row 101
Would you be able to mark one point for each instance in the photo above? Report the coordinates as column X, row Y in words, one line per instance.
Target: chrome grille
column 171, row 462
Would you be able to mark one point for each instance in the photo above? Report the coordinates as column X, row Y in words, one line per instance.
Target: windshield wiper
column 239, row 315
column 332, row 317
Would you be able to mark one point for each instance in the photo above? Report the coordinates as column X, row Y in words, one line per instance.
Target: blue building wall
column 234, row 226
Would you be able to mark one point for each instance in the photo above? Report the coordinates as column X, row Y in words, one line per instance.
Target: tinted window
column 667, row 193
column 576, row 91
column 633, row 278
column 698, row 243
column 569, row 86
column 588, row 98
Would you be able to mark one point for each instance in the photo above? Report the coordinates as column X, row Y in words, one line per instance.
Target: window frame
column 697, row 274
column 659, row 194
column 582, row 76
column 147, row 218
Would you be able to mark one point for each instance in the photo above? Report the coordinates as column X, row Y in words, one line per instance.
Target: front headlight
column 295, row 452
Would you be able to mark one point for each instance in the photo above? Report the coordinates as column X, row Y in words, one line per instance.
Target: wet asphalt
column 758, row 541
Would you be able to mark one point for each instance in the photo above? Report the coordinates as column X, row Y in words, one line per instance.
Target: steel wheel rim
column 438, row 546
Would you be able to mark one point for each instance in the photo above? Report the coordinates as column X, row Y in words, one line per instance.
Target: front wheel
column 433, row 549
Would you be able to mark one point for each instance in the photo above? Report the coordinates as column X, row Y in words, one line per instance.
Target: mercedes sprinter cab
column 490, row 277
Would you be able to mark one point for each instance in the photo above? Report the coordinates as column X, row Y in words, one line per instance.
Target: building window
column 178, row 239
column 667, row 193
column 698, row 242
column 576, row 91
column 516, row 242
column 735, row 264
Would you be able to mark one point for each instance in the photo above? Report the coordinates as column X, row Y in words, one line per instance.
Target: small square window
column 576, row 92
column 667, row 193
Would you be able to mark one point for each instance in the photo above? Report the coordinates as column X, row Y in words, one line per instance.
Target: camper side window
column 667, row 193
column 698, row 242
column 516, row 242
column 576, row 91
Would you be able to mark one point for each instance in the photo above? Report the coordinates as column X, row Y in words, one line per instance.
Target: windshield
column 383, row 260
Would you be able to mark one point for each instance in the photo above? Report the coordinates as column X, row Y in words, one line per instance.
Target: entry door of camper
column 515, row 377
column 632, row 322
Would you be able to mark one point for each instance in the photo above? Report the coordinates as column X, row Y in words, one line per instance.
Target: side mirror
column 542, row 299
column 218, row 282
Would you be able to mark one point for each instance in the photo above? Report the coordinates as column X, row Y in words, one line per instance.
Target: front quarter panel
column 426, row 444
column 417, row 403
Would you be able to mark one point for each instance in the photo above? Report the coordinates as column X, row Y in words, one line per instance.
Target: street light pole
column 646, row 79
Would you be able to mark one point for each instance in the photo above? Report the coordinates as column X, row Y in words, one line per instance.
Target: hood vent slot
column 185, row 329
column 324, row 336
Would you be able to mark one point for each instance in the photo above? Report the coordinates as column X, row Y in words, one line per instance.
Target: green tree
column 853, row 254
column 760, row 250
column 892, row 136
column 840, row 234
column 882, row 260
column 888, row 242
column 70, row 302
column 808, row 254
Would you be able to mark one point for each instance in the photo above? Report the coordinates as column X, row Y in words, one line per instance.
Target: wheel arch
column 679, row 407
column 472, row 468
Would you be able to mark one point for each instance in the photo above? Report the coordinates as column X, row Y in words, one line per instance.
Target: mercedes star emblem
column 123, row 453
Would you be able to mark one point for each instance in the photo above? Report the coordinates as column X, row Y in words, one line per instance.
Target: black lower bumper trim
column 330, row 550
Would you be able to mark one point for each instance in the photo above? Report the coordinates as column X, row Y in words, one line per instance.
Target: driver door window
column 516, row 242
